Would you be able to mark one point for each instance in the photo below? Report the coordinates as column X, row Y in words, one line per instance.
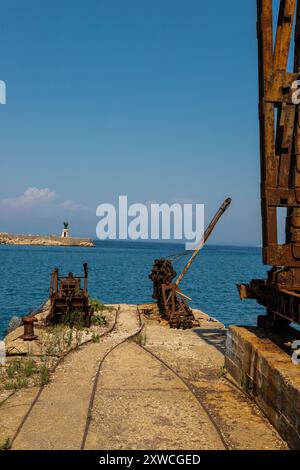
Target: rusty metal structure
column 172, row 303
column 170, row 300
column 68, row 299
column 28, row 323
column 279, row 117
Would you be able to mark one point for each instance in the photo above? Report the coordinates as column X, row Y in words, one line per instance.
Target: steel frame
column 279, row 118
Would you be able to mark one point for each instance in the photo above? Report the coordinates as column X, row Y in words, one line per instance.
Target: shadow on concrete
column 214, row 337
column 283, row 337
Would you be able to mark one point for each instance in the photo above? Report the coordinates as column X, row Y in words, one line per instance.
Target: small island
column 44, row 240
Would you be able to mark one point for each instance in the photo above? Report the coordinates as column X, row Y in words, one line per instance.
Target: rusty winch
column 69, row 300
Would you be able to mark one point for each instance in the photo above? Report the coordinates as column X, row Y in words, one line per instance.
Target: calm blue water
column 118, row 272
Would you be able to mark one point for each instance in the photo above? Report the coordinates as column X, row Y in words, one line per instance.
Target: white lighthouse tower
column 65, row 232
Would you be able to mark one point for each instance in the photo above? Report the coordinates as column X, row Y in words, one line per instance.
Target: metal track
column 96, row 383
column 27, row 414
column 190, row 388
column 187, row 385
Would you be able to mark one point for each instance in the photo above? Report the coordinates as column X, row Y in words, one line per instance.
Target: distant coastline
column 52, row 240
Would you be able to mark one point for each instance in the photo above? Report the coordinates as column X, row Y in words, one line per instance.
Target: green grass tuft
column 44, row 374
column 6, row 444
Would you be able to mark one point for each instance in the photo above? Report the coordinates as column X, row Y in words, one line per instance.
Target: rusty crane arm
column 205, row 237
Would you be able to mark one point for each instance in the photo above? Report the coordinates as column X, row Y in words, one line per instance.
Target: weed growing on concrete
column 44, row 374
column 74, row 319
column 9, row 385
column 16, row 384
column 21, row 382
column 222, row 372
column 140, row 338
column 14, row 368
column 69, row 338
column 95, row 338
column 22, row 372
column 96, row 305
column 98, row 320
column 6, row 444
column 29, row 367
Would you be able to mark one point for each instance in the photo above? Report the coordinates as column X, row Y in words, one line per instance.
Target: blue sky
column 153, row 99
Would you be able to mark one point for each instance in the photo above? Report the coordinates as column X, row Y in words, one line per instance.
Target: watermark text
column 153, row 221
column 2, row 92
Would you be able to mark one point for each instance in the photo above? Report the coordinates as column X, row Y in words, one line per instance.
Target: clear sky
column 155, row 99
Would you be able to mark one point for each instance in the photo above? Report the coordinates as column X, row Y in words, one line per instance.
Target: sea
column 118, row 273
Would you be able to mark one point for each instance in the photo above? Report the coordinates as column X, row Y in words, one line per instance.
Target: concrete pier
column 267, row 374
column 155, row 388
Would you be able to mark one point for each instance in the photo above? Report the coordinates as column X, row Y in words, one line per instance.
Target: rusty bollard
column 28, row 323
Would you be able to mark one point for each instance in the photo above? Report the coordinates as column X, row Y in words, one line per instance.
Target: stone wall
column 266, row 373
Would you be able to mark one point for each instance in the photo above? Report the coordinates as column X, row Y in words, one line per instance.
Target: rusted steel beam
column 205, row 237
column 283, row 35
column 280, row 143
column 269, row 163
column 85, row 279
column 280, row 302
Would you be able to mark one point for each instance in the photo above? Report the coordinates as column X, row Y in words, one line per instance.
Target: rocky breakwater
column 9, row 239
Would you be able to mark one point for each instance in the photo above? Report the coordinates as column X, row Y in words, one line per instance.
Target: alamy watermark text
column 151, row 222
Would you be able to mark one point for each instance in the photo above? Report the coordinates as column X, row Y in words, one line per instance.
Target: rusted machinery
column 172, row 303
column 69, row 301
column 279, row 117
column 28, row 323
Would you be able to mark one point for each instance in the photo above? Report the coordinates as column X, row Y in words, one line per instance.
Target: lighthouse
column 65, row 232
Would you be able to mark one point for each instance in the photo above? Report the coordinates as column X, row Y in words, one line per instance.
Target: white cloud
column 41, row 210
column 36, row 200
column 29, row 197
